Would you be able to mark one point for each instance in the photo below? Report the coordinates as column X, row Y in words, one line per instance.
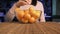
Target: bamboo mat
column 35, row 28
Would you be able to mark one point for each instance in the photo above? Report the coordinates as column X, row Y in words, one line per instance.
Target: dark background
column 5, row 5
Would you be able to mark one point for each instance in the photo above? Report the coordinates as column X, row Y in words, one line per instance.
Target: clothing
column 11, row 14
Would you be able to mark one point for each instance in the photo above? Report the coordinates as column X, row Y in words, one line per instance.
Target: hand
column 21, row 3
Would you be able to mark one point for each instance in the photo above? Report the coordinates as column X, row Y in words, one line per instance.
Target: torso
column 37, row 7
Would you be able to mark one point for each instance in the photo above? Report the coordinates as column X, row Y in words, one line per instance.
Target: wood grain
column 35, row 28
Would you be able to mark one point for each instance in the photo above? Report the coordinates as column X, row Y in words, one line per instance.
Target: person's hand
column 21, row 3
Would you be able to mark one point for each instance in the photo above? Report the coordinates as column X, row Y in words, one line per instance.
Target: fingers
column 21, row 3
column 24, row 2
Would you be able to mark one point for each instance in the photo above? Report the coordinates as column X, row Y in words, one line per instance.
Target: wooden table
column 35, row 28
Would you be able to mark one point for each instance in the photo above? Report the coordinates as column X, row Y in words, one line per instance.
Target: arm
column 10, row 14
column 42, row 17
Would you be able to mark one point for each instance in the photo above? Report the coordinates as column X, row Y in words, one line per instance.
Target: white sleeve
column 10, row 14
column 42, row 18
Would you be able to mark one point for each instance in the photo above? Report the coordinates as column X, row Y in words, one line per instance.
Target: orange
column 38, row 11
column 32, row 20
column 37, row 15
column 26, row 11
column 19, row 14
column 33, row 13
column 17, row 9
column 24, row 20
column 31, row 9
column 19, row 17
column 27, row 16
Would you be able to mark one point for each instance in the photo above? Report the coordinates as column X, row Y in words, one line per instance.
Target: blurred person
column 10, row 15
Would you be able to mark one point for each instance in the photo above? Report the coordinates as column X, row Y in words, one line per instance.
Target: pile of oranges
column 29, row 15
